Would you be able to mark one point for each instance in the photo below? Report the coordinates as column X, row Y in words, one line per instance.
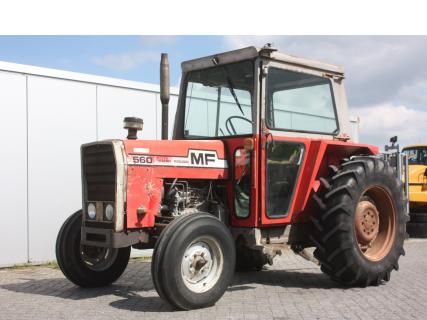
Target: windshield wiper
column 233, row 93
column 231, row 88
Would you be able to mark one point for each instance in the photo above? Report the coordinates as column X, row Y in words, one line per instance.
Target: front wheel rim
column 97, row 258
column 375, row 223
column 202, row 264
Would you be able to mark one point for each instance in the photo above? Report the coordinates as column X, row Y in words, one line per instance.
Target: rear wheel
column 363, row 226
column 193, row 261
column 87, row 266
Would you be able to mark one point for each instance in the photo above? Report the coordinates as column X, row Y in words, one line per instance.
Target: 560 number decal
column 142, row 159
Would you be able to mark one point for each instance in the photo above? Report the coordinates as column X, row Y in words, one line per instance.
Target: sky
column 386, row 76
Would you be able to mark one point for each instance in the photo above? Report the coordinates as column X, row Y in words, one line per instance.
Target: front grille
column 99, row 172
column 99, row 224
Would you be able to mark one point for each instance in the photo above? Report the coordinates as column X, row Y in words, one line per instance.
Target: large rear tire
column 363, row 225
column 193, row 261
column 87, row 266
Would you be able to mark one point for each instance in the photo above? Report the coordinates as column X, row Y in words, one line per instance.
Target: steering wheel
column 229, row 125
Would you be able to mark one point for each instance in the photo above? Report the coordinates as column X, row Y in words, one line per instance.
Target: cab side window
column 300, row 102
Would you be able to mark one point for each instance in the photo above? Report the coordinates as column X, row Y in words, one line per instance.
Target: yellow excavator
column 417, row 164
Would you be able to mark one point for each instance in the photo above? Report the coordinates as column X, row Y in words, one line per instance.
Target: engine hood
column 149, row 162
column 179, row 158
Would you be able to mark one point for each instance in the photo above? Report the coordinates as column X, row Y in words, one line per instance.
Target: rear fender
column 320, row 155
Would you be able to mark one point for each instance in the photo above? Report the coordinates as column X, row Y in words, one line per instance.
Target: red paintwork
column 179, row 148
column 318, row 155
column 251, row 220
column 145, row 183
column 143, row 188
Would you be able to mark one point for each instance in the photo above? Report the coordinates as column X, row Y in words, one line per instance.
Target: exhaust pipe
column 164, row 93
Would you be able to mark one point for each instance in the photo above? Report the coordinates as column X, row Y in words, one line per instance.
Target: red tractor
column 260, row 158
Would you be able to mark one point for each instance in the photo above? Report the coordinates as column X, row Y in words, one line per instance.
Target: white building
column 45, row 115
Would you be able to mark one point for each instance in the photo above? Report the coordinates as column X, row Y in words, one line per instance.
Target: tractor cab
column 250, row 91
column 270, row 110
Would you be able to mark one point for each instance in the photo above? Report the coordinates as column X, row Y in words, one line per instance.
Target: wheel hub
column 197, row 262
column 201, row 265
column 96, row 258
column 375, row 223
column 366, row 222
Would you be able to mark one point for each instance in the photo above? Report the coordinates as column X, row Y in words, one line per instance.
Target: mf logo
column 202, row 158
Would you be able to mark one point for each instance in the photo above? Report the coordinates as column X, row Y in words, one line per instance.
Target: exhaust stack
column 164, row 93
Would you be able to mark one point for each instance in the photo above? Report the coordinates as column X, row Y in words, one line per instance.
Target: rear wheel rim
column 375, row 223
column 202, row 264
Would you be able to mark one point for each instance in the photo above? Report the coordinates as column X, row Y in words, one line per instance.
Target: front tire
column 87, row 266
column 193, row 261
column 363, row 226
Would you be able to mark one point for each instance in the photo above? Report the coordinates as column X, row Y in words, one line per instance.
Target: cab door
column 297, row 110
column 243, row 182
column 282, row 163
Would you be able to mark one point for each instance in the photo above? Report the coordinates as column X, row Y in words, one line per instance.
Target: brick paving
column 291, row 289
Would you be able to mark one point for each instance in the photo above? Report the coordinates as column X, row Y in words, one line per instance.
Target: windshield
column 416, row 155
column 218, row 101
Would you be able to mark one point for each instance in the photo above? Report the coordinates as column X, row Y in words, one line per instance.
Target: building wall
column 13, row 169
column 45, row 115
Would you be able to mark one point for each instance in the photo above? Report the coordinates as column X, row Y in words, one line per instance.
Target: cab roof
column 252, row 53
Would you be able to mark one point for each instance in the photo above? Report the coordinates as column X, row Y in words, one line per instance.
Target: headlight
column 91, row 211
column 109, row 212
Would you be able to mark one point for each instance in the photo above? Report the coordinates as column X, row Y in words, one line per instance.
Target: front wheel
column 87, row 266
column 193, row 261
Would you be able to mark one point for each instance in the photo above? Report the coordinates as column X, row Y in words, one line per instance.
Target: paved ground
column 292, row 289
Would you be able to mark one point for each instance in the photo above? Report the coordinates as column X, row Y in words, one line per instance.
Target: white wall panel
column 61, row 116
column 13, row 169
column 114, row 104
column 65, row 110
